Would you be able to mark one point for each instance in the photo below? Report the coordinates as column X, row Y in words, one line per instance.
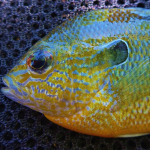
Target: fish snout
column 11, row 89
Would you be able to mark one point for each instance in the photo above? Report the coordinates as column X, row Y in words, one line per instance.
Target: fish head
column 61, row 80
column 29, row 73
column 43, row 81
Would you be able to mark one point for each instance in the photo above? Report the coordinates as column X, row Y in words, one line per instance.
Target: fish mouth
column 3, row 89
column 5, row 83
column 14, row 91
column 9, row 90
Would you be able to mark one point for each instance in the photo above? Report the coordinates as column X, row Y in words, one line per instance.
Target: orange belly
column 128, row 122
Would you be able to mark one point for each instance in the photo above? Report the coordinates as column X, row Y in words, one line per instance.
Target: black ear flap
column 113, row 53
column 120, row 49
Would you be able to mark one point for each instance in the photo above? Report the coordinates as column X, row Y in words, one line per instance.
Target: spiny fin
column 134, row 86
column 142, row 12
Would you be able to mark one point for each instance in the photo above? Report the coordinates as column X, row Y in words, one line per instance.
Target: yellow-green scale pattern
column 91, row 88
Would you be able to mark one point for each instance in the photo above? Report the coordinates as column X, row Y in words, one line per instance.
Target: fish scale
column 95, row 78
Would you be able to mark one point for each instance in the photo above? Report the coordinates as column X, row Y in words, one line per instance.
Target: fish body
column 90, row 75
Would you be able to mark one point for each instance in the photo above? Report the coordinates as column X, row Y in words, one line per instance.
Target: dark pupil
column 38, row 63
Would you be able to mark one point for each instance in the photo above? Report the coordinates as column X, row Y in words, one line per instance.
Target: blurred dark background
column 22, row 24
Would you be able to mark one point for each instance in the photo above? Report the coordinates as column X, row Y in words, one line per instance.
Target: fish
column 91, row 74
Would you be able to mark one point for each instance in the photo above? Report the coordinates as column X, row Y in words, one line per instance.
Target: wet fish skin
column 94, row 75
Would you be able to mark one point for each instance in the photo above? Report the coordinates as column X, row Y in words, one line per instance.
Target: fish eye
column 39, row 61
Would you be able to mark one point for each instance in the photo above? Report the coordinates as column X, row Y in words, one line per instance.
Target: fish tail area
column 134, row 86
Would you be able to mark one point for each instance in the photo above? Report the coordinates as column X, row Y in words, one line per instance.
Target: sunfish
column 91, row 74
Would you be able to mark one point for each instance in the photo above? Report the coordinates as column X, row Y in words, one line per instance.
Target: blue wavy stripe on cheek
column 20, row 72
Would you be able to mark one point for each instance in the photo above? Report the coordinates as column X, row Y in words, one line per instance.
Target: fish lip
column 5, row 83
column 12, row 90
column 5, row 89
column 9, row 89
